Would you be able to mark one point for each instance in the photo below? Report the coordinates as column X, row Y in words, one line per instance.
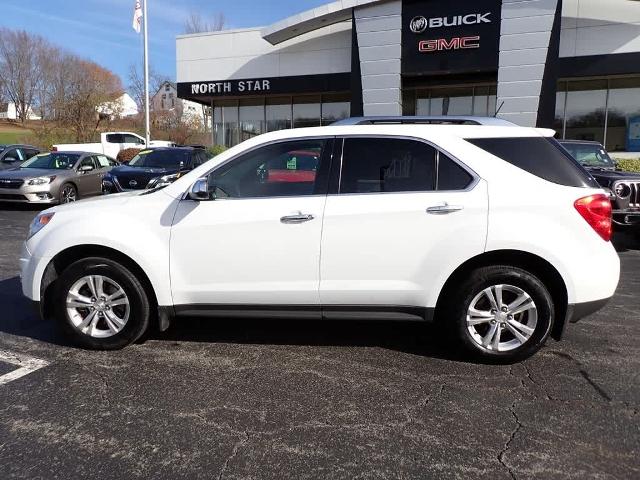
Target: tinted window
column 13, row 155
column 279, row 170
column 452, row 176
column 161, row 159
column 115, row 138
column 30, row 153
column 87, row 161
column 387, row 165
column 199, row 158
column 132, row 139
column 540, row 156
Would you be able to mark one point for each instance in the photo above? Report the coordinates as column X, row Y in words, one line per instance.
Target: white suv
column 493, row 230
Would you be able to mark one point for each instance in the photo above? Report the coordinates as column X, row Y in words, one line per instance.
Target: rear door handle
column 297, row 218
column 444, row 209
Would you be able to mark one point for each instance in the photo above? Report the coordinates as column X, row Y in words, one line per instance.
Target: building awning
column 311, row 20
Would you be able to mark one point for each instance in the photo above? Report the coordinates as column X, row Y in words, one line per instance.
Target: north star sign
column 230, row 87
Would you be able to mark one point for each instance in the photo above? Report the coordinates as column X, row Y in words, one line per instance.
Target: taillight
column 596, row 210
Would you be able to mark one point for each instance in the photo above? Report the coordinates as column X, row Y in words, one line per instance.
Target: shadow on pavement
column 19, row 318
column 23, row 207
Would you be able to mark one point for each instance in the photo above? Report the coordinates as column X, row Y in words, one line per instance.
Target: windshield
column 160, row 159
column 590, row 154
column 52, row 161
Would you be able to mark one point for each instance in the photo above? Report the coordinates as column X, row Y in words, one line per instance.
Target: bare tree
column 136, row 83
column 20, row 68
column 197, row 23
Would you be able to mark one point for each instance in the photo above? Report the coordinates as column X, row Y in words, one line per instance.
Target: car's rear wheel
column 501, row 314
column 101, row 304
column 68, row 193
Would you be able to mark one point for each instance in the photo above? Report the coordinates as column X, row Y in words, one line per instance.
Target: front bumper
column 29, row 194
column 626, row 218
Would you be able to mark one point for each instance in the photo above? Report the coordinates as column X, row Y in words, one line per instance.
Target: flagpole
column 147, row 128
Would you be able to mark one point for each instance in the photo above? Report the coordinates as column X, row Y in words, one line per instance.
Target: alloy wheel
column 68, row 194
column 97, row 306
column 501, row 318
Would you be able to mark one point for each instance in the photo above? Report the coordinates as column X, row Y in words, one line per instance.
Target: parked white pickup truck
column 111, row 143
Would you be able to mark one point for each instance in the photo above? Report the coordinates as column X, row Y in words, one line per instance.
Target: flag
column 137, row 16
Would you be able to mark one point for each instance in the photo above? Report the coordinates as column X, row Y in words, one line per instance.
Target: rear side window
column 540, row 156
column 387, row 165
column 452, row 176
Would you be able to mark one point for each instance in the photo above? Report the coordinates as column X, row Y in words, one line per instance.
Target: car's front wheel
column 100, row 304
column 501, row 314
column 68, row 193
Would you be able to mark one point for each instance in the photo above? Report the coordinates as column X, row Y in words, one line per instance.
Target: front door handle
column 444, row 209
column 298, row 217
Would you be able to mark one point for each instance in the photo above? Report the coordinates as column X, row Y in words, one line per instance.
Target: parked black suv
column 153, row 168
column 623, row 187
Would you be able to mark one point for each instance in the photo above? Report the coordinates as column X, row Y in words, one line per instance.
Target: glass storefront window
column 623, row 118
column 252, row 121
column 306, row 111
column 335, row 107
column 278, row 112
column 586, row 109
column 477, row 100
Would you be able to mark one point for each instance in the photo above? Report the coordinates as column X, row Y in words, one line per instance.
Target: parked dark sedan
column 11, row 156
column 153, row 168
column 623, row 187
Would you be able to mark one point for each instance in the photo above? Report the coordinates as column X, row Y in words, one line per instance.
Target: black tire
column 139, row 305
column 62, row 197
column 455, row 312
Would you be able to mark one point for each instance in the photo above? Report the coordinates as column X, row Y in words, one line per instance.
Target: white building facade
column 571, row 65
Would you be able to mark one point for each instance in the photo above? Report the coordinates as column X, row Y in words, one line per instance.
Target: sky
column 101, row 31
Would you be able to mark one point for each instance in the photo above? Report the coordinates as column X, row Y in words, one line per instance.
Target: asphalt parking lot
column 286, row 399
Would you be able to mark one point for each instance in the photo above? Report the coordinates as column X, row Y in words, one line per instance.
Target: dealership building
column 571, row 65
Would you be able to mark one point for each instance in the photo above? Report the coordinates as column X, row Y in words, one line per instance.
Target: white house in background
column 122, row 107
column 8, row 111
column 166, row 100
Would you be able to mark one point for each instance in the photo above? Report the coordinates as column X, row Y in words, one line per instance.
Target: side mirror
column 85, row 168
column 199, row 191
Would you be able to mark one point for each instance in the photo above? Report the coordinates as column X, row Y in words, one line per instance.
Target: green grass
column 16, row 137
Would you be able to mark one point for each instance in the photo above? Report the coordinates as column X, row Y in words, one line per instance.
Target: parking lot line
column 25, row 364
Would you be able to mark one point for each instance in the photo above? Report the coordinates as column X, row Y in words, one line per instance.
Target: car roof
column 16, row 145
column 577, row 142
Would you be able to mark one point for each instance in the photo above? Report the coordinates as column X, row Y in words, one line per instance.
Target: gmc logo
column 456, row 43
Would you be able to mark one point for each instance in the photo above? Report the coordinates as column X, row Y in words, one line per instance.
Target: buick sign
column 418, row 24
column 133, row 183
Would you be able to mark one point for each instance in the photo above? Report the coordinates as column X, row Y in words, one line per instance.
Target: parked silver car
column 55, row 177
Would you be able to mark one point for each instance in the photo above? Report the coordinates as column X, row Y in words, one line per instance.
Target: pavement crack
column 236, row 447
column 507, row 445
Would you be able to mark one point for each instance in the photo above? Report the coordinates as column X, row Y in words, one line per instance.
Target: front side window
column 387, row 165
column 279, row 170
column 103, row 161
column 114, row 138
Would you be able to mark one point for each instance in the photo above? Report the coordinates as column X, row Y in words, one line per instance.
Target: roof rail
column 443, row 120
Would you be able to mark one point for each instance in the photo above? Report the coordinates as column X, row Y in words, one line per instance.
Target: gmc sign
column 443, row 37
column 456, row 43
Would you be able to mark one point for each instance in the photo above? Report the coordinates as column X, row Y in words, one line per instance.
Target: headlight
column 163, row 181
column 622, row 190
column 39, row 223
column 41, row 180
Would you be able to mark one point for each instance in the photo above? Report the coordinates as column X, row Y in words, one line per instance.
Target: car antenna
column 499, row 108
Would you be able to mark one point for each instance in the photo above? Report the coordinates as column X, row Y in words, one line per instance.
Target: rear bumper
column 577, row 311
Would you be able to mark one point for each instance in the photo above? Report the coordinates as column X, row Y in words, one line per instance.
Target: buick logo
column 133, row 183
column 418, row 24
